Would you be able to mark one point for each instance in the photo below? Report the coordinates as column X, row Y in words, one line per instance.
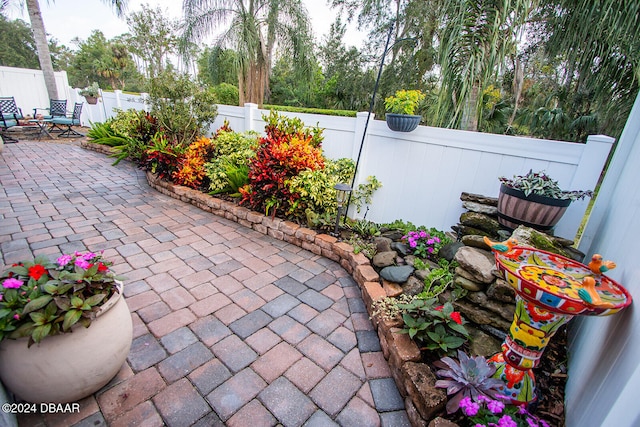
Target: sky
column 67, row 19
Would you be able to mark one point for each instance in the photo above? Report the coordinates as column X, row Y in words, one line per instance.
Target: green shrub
column 226, row 93
column 183, row 109
column 341, row 113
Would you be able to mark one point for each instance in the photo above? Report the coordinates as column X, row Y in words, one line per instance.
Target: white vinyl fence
column 422, row 172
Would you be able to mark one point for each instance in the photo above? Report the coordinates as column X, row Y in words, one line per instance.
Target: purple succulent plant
column 467, row 377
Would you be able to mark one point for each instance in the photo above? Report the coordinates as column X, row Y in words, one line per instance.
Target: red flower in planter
column 36, row 271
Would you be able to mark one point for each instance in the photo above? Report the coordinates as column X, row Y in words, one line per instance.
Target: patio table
column 42, row 127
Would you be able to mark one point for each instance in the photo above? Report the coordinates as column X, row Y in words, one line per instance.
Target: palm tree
column 476, row 39
column 40, row 37
column 599, row 44
column 253, row 28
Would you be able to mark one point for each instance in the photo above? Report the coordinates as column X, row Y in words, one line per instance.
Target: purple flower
column 506, row 421
column 64, row 260
column 12, row 283
column 412, row 243
column 423, row 234
column 89, row 256
column 82, row 263
column 543, row 423
column 470, row 408
column 532, row 422
column 494, row 406
column 430, row 242
column 465, row 401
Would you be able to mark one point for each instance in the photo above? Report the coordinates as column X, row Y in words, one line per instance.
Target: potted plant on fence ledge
column 534, row 200
column 91, row 93
column 42, row 303
column 402, row 107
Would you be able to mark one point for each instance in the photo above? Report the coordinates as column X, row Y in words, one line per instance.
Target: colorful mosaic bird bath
column 550, row 289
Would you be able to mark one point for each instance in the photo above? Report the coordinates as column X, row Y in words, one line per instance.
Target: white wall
column 604, row 367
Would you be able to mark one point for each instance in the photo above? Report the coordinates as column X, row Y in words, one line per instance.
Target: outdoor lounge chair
column 10, row 115
column 74, row 120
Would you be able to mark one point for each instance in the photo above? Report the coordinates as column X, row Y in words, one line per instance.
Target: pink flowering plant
column 39, row 297
column 487, row 412
column 425, row 243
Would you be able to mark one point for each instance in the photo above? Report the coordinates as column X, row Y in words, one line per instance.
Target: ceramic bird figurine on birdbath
column 598, row 266
column 550, row 290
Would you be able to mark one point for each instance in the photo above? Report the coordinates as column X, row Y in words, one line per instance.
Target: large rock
column 413, row 286
column 529, row 237
column 467, row 284
column 480, row 221
column 400, row 247
column 479, row 198
column 463, row 230
column 449, row 250
column 477, row 262
column 504, row 310
column 482, row 343
column 422, row 274
column 394, row 235
column 480, row 316
column 480, row 208
column 500, row 290
column 384, row 259
column 474, row 241
column 383, row 244
column 391, row 289
column 397, row 274
column 420, row 383
column 441, row 422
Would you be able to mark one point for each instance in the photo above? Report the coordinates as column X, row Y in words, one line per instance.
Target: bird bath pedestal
column 550, row 290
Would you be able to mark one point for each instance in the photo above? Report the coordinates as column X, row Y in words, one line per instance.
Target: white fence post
column 145, row 99
column 118, row 93
column 250, row 113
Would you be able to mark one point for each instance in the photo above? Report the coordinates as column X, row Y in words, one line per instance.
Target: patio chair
column 73, row 120
column 57, row 108
column 10, row 115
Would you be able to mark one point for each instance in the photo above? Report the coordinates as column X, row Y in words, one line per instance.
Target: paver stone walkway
column 231, row 327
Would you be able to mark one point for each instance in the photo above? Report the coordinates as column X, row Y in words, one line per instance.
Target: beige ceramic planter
column 68, row 367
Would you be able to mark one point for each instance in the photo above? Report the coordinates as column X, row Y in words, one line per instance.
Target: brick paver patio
column 231, row 327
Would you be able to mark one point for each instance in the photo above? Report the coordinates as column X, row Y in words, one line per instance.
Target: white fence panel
column 424, row 172
column 28, row 88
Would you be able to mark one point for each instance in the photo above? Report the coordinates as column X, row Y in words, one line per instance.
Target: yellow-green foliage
column 404, row 101
column 315, row 188
column 232, row 148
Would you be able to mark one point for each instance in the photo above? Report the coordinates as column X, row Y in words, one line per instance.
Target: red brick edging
column 399, row 350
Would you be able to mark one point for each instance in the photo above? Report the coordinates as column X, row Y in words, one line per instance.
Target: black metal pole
column 366, row 124
column 371, row 104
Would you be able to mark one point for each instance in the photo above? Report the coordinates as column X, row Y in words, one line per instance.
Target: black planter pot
column 402, row 122
column 539, row 212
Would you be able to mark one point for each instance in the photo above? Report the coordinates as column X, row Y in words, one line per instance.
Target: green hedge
column 342, row 113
